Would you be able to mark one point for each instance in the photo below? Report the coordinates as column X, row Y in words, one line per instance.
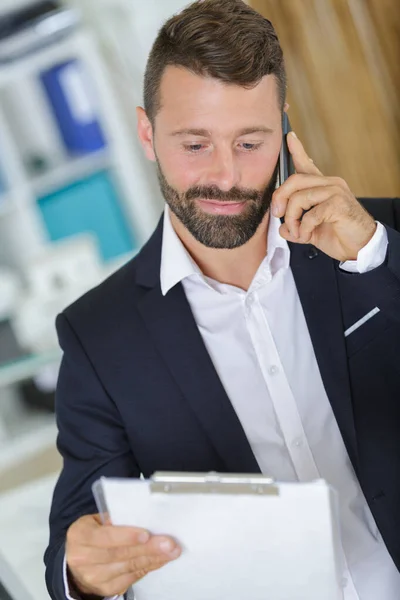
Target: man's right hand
column 105, row 560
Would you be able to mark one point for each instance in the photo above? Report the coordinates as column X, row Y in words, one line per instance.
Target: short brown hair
column 224, row 39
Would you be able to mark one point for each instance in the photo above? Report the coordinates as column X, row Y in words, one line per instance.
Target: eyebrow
column 206, row 133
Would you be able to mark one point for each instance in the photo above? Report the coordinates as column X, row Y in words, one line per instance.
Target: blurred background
column 78, row 198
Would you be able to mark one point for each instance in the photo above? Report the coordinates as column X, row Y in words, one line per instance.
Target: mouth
column 220, row 207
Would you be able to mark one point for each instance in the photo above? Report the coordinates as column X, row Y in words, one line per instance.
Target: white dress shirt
column 261, row 349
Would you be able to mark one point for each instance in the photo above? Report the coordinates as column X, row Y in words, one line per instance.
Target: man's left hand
column 335, row 222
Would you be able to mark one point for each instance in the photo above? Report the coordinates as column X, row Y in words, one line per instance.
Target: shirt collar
column 278, row 252
column 177, row 264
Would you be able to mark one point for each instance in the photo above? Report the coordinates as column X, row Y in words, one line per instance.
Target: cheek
column 258, row 168
column 182, row 172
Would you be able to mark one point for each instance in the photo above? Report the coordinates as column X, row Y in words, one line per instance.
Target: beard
column 219, row 231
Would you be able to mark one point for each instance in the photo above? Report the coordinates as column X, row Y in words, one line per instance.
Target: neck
column 235, row 267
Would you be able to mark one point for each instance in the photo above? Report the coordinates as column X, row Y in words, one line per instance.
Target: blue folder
column 73, row 106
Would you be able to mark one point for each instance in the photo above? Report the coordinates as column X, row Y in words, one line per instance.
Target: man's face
column 216, row 148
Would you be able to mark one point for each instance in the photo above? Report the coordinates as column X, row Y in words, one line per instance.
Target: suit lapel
column 170, row 322
column 316, row 282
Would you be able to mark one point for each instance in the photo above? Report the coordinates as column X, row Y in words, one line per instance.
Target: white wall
column 128, row 27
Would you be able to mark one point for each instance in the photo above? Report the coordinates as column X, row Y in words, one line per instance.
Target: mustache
column 211, row 192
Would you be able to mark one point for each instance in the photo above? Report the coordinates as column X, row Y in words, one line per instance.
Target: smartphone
column 286, row 167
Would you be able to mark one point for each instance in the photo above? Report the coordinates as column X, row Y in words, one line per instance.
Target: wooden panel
column 342, row 59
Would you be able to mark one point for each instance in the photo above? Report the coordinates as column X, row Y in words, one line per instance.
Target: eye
column 250, row 147
column 193, row 147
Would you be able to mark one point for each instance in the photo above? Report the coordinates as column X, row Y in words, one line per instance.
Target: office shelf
column 120, row 156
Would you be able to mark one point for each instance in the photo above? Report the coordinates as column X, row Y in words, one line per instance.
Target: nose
column 223, row 171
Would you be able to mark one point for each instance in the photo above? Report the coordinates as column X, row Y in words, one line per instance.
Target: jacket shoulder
column 104, row 303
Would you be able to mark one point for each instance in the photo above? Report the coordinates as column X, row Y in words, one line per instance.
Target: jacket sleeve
column 92, row 442
column 393, row 257
column 372, row 255
column 382, row 284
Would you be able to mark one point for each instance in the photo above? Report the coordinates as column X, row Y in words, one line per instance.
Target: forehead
column 186, row 97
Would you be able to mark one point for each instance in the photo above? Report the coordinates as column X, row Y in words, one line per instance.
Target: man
column 258, row 330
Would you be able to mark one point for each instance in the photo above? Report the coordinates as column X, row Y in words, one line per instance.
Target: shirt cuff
column 370, row 256
column 67, row 590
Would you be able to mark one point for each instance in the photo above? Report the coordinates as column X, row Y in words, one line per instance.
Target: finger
column 87, row 556
column 302, row 201
column 160, row 545
column 90, row 555
column 159, row 551
column 302, row 162
column 103, row 519
column 119, row 577
column 153, row 556
column 88, row 531
column 138, row 567
column 99, row 575
column 323, row 213
column 110, row 536
column 298, row 182
column 285, row 233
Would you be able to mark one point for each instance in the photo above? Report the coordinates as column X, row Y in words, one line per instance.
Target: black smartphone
column 286, row 167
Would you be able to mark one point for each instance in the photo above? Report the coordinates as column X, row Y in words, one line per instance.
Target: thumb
column 102, row 519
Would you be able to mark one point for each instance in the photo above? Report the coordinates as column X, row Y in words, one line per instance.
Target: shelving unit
column 73, row 169
column 27, row 367
column 21, row 221
column 24, row 233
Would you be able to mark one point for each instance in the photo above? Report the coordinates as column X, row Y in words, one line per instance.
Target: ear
column 285, row 107
column 145, row 133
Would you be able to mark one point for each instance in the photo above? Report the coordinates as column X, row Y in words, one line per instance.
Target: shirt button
column 273, row 370
column 298, row 443
column 250, row 302
column 344, row 582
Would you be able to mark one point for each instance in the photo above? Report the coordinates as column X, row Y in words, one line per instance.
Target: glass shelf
column 27, row 367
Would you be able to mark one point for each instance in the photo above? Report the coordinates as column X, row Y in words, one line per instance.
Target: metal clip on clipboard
column 212, row 483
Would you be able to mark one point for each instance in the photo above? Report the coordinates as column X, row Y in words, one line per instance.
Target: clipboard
column 171, row 482
column 244, row 536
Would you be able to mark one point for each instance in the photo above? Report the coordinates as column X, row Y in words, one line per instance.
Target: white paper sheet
column 236, row 547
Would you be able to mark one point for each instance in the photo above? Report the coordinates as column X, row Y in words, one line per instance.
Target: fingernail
column 166, row 546
column 293, row 134
column 276, row 210
column 144, row 537
column 175, row 553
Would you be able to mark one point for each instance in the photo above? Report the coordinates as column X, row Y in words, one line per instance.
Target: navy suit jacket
column 138, row 392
